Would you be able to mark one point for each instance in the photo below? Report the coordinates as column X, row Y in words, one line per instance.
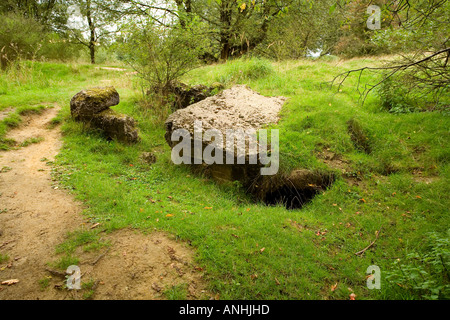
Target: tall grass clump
column 22, row 74
column 245, row 69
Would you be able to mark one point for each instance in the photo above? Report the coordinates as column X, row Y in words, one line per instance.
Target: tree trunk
column 92, row 52
column 226, row 30
column 92, row 32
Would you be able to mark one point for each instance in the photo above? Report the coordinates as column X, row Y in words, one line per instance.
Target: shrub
column 405, row 93
column 394, row 98
column 20, row 37
column 425, row 274
column 55, row 47
column 162, row 55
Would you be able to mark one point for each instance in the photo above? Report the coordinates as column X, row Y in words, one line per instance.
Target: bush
column 395, row 98
column 20, row 37
column 55, row 47
column 425, row 275
column 162, row 55
column 404, row 93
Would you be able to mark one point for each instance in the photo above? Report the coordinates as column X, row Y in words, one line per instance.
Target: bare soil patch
column 35, row 218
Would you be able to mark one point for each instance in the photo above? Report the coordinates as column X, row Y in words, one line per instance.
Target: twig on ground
column 99, row 257
column 359, row 253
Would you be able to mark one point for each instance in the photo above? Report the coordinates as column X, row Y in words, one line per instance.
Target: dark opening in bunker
column 290, row 197
column 295, row 190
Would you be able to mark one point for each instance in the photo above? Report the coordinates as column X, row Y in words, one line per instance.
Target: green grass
column 249, row 250
column 44, row 283
column 29, row 141
column 88, row 289
column 64, row 262
column 3, row 258
column 176, row 292
column 87, row 240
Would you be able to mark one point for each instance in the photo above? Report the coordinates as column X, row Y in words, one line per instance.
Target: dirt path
column 35, row 218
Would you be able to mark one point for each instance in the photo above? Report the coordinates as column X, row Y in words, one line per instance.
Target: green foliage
column 394, row 98
column 3, row 258
column 359, row 136
column 306, row 26
column 404, row 93
column 20, row 37
column 65, row 261
column 57, row 47
column 89, row 289
column 176, row 292
column 30, row 141
column 298, row 262
column 88, row 240
column 52, row 14
column 425, row 274
column 245, row 69
column 162, row 55
column 44, row 282
column 12, row 121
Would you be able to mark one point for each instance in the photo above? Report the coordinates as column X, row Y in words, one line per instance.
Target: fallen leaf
column 369, row 276
column 169, row 215
column 334, row 286
column 10, row 282
column 277, row 282
column 208, row 208
column 352, row 296
column 262, row 250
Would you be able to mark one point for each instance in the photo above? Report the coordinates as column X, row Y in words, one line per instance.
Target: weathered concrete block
column 89, row 102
